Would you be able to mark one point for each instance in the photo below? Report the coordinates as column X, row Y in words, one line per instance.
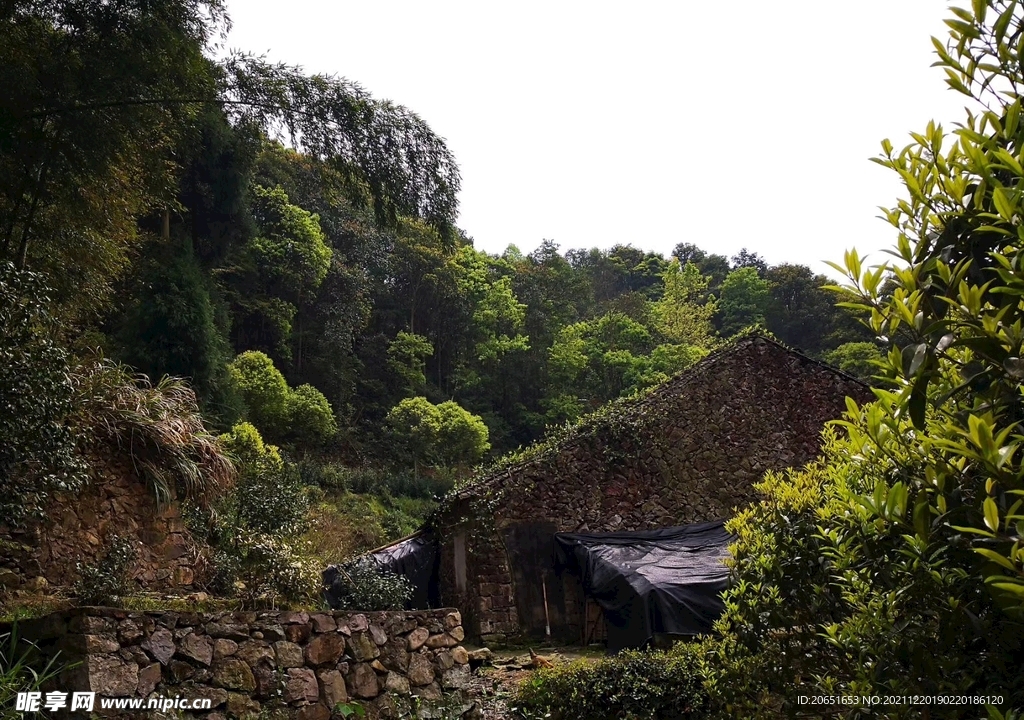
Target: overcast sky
column 725, row 124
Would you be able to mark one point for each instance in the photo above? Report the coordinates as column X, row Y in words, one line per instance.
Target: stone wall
column 78, row 527
column 301, row 663
column 688, row 452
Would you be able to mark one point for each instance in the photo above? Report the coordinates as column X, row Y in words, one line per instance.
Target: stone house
column 688, row 451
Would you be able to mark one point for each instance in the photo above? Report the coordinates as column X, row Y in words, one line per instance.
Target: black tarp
column 417, row 558
column 656, row 581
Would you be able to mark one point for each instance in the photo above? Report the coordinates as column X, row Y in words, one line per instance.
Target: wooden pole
column 547, row 618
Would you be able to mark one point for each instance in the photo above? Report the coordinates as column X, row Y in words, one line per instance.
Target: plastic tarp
column 656, row 581
column 417, row 558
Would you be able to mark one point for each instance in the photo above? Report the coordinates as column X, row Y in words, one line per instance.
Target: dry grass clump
column 159, row 427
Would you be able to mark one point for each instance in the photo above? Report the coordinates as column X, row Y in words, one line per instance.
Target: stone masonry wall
column 78, row 527
column 688, row 452
column 299, row 662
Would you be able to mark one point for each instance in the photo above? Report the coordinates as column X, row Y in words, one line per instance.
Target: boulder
column 362, row 682
column 301, row 686
column 325, row 649
column 363, row 647
column 288, row 654
column 222, row 648
column 234, row 674
column 160, row 645
column 420, row 670
column 198, row 648
column 332, row 687
column 417, row 637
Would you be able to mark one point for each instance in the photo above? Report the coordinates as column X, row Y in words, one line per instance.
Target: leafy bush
column 269, row 496
column 264, row 390
column 108, row 582
column 310, row 417
column 445, row 434
column 630, row 685
column 859, row 359
column 37, row 455
column 361, row 584
column 159, row 427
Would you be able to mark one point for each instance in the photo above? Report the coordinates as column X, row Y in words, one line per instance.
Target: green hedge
column 632, row 685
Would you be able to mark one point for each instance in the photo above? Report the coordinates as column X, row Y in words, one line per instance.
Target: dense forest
column 249, row 282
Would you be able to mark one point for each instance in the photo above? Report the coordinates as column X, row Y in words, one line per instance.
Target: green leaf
column 922, row 515
column 991, row 514
column 919, row 401
column 996, row 558
column 1002, row 202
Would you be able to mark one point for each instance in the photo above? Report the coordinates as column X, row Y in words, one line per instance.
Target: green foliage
column 263, row 388
column 268, row 496
column 310, row 418
column 895, row 566
column 859, row 359
column 21, row 671
column 170, row 328
column 683, row 314
column 364, row 585
column 38, row 455
column 743, row 300
column 108, row 582
column 289, row 247
column 406, row 355
column 158, row 427
column 631, row 685
column 445, row 435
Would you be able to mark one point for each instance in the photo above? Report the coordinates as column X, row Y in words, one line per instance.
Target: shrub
column 361, row 584
column 37, row 452
column 108, row 582
column 445, row 434
column 630, row 685
column 310, row 417
column 264, row 390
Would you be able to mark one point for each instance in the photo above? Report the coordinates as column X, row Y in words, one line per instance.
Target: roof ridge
column 573, row 434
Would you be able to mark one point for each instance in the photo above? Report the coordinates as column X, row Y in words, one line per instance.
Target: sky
column 727, row 125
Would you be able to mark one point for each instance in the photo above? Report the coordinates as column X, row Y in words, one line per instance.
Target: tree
column 310, row 417
column 743, row 301
column 801, row 311
column 894, row 567
column 859, row 359
column 746, row 259
column 405, row 357
column 683, row 314
column 444, row 435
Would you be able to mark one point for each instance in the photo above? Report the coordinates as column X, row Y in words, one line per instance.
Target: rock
column 376, row 665
column 417, row 637
column 344, row 630
column 332, row 687
column 459, row 655
column 180, row 671
column 234, row 674
column 453, row 620
column 397, row 684
column 297, row 633
column 223, row 630
column 128, row 632
column 90, row 644
column 216, row 696
column 358, row 623
column 313, row 712
column 362, row 647
column 362, row 682
column 197, row 647
column 301, row 686
column 443, row 640
column 455, row 678
column 272, row 633
column 149, row 678
column 111, row 676
column 9, row 580
column 297, row 618
column 253, row 652
column 428, row 692
column 420, row 670
column 241, row 705
column 394, row 656
column 91, row 625
column 378, row 635
column 325, row 649
column 266, row 681
column 458, row 633
column 160, row 645
column 288, row 654
column 444, row 660
column 323, row 623
column 483, row 656
column 222, row 648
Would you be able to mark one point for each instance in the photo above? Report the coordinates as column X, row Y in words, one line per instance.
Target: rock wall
column 688, row 452
column 300, row 663
column 78, row 527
